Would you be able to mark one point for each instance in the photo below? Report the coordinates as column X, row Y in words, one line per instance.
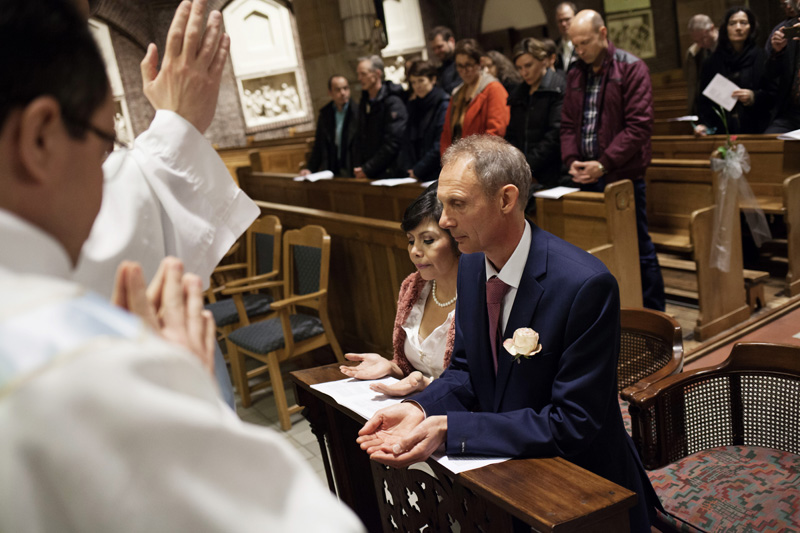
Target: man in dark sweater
column 336, row 132
column 443, row 45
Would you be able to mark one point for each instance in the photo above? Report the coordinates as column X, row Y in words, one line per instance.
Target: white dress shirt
column 426, row 355
column 511, row 273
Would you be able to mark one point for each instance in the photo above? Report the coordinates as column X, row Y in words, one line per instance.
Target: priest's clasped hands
column 400, row 435
column 172, row 305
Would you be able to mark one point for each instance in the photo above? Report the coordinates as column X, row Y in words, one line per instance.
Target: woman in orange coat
column 480, row 104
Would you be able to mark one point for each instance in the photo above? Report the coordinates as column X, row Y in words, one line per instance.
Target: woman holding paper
column 738, row 59
column 423, row 328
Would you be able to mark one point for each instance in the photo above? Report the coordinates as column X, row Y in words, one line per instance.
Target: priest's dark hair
column 49, row 51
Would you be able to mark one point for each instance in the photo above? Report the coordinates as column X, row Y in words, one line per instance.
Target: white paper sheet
column 316, row 176
column 685, row 118
column 393, row 182
column 358, row 397
column 426, row 184
column 720, row 90
column 555, row 193
column 790, row 136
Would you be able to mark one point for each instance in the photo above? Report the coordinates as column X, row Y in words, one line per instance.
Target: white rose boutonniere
column 524, row 344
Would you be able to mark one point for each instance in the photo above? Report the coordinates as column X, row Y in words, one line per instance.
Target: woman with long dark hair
column 739, row 59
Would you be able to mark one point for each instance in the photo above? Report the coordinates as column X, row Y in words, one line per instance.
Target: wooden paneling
column 603, row 224
column 341, row 195
column 277, row 155
column 369, row 260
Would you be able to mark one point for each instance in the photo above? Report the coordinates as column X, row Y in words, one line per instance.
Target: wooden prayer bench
column 680, row 215
column 603, row 224
column 340, row 195
column 369, row 260
column 774, row 178
column 275, row 155
column 754, row 281
column 546, row 495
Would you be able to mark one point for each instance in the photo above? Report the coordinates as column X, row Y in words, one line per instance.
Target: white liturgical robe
column 170, row 194
column 106, row 427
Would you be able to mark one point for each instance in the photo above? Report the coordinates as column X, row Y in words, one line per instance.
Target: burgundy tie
column 496, row 289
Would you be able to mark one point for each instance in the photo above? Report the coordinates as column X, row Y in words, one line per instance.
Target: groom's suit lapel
column 528, row 295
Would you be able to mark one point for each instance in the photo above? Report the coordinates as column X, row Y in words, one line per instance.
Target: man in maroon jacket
column 606, row 123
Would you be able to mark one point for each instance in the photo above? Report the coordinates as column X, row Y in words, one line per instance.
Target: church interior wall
column 324, row 50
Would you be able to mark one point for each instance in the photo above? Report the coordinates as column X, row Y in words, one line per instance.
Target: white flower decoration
column 524, row 344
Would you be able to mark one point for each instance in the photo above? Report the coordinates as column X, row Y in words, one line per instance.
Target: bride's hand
column 371, row 366
column 413, row 382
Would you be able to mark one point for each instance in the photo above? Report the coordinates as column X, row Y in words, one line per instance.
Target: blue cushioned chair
column 262, row 264
column 306, row 258
column 651, row 348
column 723, row 442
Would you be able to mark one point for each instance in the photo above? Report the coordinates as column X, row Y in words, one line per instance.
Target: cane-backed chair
column 262, row 263
column 651, row 347
column 306, row 258
column 724, row 442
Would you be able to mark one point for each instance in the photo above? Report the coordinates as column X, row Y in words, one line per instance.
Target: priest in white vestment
column 105, row 425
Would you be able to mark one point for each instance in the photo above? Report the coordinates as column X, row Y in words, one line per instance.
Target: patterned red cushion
column 626, row 416
column 732, row 489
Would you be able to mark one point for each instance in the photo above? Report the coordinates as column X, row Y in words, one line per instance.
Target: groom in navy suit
column 560, row 399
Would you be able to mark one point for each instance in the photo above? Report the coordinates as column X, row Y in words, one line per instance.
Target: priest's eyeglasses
column 110, row 137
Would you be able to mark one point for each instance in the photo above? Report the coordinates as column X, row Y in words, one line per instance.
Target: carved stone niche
column 268, row 65
column 417, row 499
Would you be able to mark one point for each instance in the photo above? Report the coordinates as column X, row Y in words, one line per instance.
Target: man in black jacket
column 382, row 119
column 443, row 45
column 336, row 132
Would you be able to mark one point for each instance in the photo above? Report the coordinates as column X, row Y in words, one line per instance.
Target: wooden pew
column 369, row 260
column 340, row 195
column 680, row 215
column 275, row 155
column 774, row 178
column 603, row 224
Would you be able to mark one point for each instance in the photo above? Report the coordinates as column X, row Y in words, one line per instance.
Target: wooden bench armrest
column 295, row 300
column 251, row 280
column 253, row 287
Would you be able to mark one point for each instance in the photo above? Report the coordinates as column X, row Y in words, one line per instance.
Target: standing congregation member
column 535, row 105
column 606, row 124
column 501, row 68
column 170, row 193
column 790, row 10
column 423, row 327
column 443, row 45
column 426, row 112
column 110, row 422
column 704, row 40
column 382, row 120
column 565, row 50
column 783, row 79
column 334, row 141
column 739, row 59
column 523, row 295
column 479, row 104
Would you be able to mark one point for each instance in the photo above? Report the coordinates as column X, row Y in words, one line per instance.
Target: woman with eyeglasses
column 478, row 105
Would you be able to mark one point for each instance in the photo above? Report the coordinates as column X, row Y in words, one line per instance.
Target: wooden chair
column 725, row 441
column 651, row 347
column 263, row 249
column 306, row 258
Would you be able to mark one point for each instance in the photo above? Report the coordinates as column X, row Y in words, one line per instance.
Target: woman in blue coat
column 536, row 112
column 426, row 111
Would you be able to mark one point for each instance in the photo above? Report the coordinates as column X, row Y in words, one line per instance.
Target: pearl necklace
column 436, row 300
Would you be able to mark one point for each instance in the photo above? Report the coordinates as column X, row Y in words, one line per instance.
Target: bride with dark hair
column 424, row 328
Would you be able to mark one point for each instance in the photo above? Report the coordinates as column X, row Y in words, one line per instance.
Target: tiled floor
column 264, row 413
